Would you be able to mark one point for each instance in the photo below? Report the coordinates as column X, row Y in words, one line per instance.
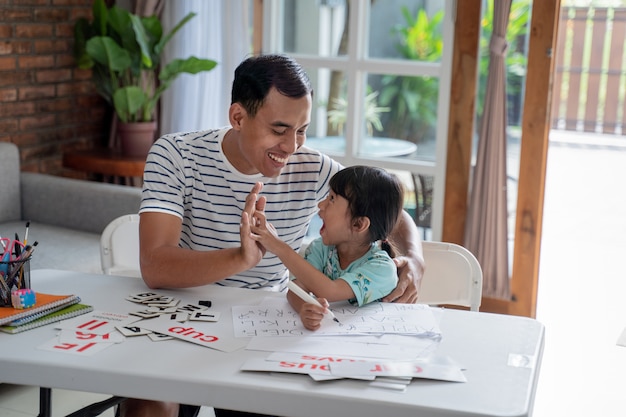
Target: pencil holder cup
column 14, row 275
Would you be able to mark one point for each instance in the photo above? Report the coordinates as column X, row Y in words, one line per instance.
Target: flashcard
column 260, row 364
column 161, row 309
column 320, row 378
column 205, row 316
column 414, row 369
column 71, row 336
column 326, row 360
column 159, row 337
column 172, row 303
column 162, row 299
column 83, row 349
column 145, row 314
column 132, row 331
column 217, row 336
column 98, row 322
column 179, row 317
column 307, row 358
column 191, row 308
column 142, row 297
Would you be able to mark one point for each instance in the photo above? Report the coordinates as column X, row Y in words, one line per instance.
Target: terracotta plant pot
column 136, row 138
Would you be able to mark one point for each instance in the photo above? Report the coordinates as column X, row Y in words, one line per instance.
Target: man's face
column 265, row 142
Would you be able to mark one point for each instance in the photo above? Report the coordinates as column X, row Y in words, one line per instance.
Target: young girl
column 360, row 211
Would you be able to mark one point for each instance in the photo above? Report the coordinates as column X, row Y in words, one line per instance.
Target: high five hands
column 252, row 252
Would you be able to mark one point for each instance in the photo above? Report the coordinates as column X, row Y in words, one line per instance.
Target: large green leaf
column 103, row 82
column 100, row 13
column 154, row 31
column 142, row 40
column 191, row 65
column 107, row 52
column 128, row 101
column 82, row 32
column 121, row 29
column 159, row 47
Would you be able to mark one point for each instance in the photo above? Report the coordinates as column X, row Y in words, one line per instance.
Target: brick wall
column 47, row 105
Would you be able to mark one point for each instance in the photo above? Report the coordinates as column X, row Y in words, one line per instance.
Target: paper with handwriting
column 276, row 318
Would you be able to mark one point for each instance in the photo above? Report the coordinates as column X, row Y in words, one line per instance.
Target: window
column 381, row 75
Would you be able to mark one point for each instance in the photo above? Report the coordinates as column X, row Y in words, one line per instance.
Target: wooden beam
column 257, row 27
column 533, row 157
column 461, row 118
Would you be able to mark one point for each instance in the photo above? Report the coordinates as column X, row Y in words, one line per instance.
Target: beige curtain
column 486, row 234
column 147, row 7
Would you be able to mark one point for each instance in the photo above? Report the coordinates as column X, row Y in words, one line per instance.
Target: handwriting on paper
column 279, row 319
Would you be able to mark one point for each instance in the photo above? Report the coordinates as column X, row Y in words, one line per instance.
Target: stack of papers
column 379, row 340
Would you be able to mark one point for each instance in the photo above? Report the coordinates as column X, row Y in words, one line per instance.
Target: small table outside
column 107, row 162
column 371, row 147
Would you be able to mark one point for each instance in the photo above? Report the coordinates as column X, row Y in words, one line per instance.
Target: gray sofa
column 66, row 215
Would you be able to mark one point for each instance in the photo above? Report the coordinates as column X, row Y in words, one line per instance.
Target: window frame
column 356, row 65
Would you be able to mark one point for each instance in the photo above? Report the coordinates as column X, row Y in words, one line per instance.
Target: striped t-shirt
column 188, row 175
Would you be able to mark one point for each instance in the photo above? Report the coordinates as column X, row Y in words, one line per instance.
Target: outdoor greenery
column 337, row 115
column 123, row 51
column 413, row 100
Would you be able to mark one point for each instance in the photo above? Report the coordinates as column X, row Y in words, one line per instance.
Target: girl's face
column 335, row 214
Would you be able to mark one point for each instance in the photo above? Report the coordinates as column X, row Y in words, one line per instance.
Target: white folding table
column 501, row 354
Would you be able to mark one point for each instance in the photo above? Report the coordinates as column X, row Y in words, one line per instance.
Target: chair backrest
column 119, row 247
column 453, row 276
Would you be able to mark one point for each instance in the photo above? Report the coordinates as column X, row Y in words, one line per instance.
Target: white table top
column 502, row 355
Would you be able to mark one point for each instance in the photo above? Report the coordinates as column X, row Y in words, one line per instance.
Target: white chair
column 453, row 276
column 119, row 247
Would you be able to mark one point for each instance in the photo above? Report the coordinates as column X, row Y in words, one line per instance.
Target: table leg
column 92, row 410
column 45, row 402
column 98, row 408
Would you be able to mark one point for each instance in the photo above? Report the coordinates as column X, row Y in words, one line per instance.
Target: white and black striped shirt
column 188, row 175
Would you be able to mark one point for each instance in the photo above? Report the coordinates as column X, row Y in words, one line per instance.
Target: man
column 197, row 185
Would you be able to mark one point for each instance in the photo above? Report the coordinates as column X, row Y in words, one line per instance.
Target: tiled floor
column 582, row 288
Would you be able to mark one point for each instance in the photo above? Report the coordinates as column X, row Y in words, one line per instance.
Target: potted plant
column 123, row 51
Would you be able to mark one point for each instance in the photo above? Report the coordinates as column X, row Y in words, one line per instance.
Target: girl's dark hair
column 255, row 76
column 374, row 193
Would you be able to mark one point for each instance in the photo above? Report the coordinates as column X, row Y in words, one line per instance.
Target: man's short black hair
column 255, row 76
